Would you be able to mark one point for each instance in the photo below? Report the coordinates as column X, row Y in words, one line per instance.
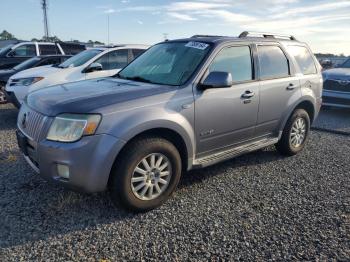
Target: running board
column 227, row 154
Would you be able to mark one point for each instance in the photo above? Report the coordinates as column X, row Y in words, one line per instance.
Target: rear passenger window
column 304, row 59
column 137, row 52
column 49, row 61
column 273, row 62
column 48, row 49
column 235, row 60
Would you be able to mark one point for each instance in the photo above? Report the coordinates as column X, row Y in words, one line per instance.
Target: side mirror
column 94, row 67
column 217, row 79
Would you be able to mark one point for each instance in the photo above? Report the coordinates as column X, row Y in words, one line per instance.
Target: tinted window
column 273, row 62
column 114, row 60
column 49, row 61
column 234, row 60
column 304, row 59
column 346, row 64
column 48, row 49
column 167, row 63
column 24, row 51
column 80, row 58
column 137, row 52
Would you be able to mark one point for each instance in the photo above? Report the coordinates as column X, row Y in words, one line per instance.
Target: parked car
column 36, row 61
column 92, row 63
column 15, row 54
column 183, row 104
column 336, row 91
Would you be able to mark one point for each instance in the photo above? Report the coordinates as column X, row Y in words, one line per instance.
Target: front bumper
column 90, row 160
column 336, row 98
column 11, row 98
column 16, row 93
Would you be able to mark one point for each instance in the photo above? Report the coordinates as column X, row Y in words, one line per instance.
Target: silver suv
column 183, row 104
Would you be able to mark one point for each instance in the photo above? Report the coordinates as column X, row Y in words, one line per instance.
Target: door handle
column 247, row 94
column 291, row 86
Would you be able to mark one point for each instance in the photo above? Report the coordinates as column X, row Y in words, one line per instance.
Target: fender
column 290, row 110
column 126, row 125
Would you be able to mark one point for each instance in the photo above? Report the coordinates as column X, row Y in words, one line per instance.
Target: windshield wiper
column 137, row 78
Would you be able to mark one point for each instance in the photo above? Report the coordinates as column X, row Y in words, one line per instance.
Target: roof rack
column 266, row 35
column 197, row 36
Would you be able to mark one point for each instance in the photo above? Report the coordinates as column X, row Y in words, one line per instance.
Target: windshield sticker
column 197, row 45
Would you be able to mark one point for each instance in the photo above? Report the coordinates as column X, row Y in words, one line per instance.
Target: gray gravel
column 256, row 207
column 334, row 119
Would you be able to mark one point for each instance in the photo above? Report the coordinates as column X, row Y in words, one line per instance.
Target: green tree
column 7, row 36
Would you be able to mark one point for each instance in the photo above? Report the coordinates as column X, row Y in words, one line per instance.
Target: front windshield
column 5, row 49
column 27, row 64
column 170, row 63
column 80, row 58
column 346, row 64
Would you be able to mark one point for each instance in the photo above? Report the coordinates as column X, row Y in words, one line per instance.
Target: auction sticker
column 197, row 45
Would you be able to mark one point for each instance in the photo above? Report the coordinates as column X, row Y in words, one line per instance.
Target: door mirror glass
column 217, row 79
column 94, row 67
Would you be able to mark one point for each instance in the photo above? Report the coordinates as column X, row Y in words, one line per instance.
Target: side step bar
column 227, row 154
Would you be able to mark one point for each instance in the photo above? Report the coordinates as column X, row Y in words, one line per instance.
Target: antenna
column 165, row 35
column 46, row 24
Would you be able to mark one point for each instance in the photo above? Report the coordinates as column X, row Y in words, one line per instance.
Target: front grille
column 30, row 122
column 337, row 85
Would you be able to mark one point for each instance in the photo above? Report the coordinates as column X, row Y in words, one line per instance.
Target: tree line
column 5, row 35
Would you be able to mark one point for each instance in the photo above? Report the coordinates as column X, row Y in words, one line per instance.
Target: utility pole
column 46, row 24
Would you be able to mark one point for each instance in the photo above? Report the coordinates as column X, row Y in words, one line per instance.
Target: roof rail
column 266, row 35
column 196, row 36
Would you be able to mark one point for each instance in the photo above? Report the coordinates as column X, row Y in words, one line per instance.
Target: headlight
column 26, row 81
column 71, row 127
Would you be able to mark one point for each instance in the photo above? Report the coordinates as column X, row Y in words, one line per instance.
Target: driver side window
column 114, row 60
column 235, row 60
column 28, row 50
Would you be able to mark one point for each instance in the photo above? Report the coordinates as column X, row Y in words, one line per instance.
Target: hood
column 5, row 74
column 89, row 95
column 38, row 72
column 337, row 73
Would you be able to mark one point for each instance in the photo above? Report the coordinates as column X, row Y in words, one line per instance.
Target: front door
column 225, row 117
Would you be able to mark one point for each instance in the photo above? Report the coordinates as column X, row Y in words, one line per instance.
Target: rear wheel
column 295, row 133
column 146, row 174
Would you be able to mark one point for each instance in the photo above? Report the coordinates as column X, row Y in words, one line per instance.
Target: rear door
column 279, row 88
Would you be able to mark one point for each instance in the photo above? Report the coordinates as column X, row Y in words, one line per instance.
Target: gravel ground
column 334, row 119
column 256, row 207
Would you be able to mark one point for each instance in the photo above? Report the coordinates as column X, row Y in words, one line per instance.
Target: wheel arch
column 305, row 104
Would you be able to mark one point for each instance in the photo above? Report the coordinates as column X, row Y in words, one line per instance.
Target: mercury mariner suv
column 183, row 104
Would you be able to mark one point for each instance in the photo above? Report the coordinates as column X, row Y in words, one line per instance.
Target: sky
column 324, row 25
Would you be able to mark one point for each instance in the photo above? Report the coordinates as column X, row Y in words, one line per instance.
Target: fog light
column 63, row 171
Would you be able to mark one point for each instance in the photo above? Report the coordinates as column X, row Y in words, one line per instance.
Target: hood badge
column 24, row 119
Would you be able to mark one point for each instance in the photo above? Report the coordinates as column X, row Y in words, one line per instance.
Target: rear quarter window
column 304, row 59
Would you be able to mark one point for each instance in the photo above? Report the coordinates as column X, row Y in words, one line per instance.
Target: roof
column 243, row 37
column 115, row 47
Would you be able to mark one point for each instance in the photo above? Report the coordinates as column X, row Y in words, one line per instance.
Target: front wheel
column 146, row 174
column 295, row 133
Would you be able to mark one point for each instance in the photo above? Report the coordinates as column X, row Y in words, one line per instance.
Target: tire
column 3, row 99
column 129, row 194
column 289, row 146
